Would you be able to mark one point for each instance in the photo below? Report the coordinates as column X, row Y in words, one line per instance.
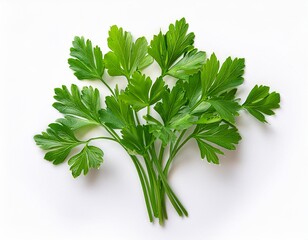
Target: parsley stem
column 172, row 148
column 182, row 144
column 175, row 150
column 109, row 88
column 144, row 185
column 127, row 76
column 148, row 110
column 137, row 117
column 149, row 155
column 112, row 133
column 96, row 138
column 172, row 197
column 155, row 190
column 152, row 178
column 161, row 154
column 160, row 184
column 179, row 139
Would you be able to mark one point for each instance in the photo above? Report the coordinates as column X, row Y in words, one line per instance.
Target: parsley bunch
column 150, row 119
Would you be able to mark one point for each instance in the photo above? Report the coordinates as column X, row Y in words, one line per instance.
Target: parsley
column 151, row 120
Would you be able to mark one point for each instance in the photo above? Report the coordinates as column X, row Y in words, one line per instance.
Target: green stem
column 109, row 88
column 182, row 144
column 112, row 133
column 179, row 139
column 127, row 77
column 174, row 147
column 137, row 118
column 160, row 184
column 148, row 110
column 152, row 178
column 161, row 154
column 96, row 138
column 174, row 152
column 159, row 207
column 173, row 199
column 163, row 72
column 150, row 155
column 144, row 185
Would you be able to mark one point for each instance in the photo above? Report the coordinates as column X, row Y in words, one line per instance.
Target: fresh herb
column 151, row 120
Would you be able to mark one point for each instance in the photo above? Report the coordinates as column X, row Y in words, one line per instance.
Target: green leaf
column 86, row 62
column 193, row 90
column 191, row 63
column 59, row 140
column 84, row 104
column 165, row 134
column 261, row 102
column 158, row 50
column 166, row 49
column 226, row 109
column 118, row 114
column 208, row 117
column 183, row 120
column 136, row 139
column 140, row 93
column 216, row 81
column 220, row 134
column 209, row 152
column 158, row 89
column 137, row 91
column 209, row 73
column 230, row 75
column 89, row 157
column 125, row 56
column 159, row 131
column 171, row 103
column 178, row 40
column 229, row 95
column 76, row 123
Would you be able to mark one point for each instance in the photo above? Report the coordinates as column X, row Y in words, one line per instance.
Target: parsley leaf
column 223, row 135
column 87, row 62
column 183, row 120
column 118, row 114
column 136, row 139
column 141, row 93
column 165, row 134
column 226, row 109
column 59, row 140
column 126, row 56
column 217, row 80
column 75, row 123
column 159, row 131
column 89, row 157
column 171, row 103
column 261, row 102
column 191, row 63
column 83, row 105
column 192, row 89
column 166, row 49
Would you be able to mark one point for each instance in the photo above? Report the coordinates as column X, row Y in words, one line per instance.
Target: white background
column 258, row 192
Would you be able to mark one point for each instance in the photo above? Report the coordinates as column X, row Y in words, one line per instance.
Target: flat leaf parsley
column 149, row 118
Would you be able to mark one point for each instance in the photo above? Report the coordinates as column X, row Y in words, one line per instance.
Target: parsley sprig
column 151, row 120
